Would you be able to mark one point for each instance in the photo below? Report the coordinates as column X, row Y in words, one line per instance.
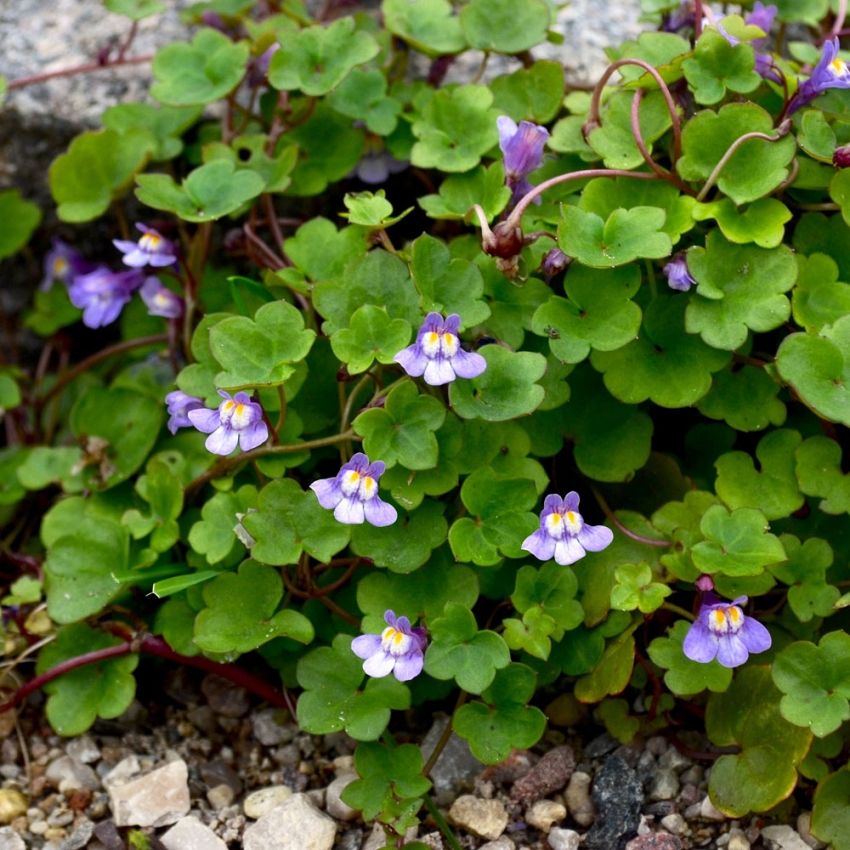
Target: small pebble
column 737, row 841
column 257, row 803
column 334, row 805
column 270, row 727
column 503, row 843
column 544, row 813
column 665, row 785
column 655, row 841
column 484, row 818
column 563, row 839
column 708, row 810
column 39, row 827
column 12, row 805
column 784, row 837
column 804, row 827
column 675, row 823
column 220, row 796
column 578, row 800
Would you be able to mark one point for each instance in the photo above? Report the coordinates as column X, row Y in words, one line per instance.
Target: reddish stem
column 87, row 68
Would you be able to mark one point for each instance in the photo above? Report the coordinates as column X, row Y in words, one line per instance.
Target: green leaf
column 683, row 676
column 737, row 543
column 135, row 10
column 745, row 398
column 198, row 73
column 321, row 252
column 818, row 298
column 625, row 236
column 506, row 389
column 427, row 25
column 802, row 11
column 288, row 521
column 550, row 589
column 815, row 681
column 505, row 26
column 207, row 193
column 818, row 368
column 762, row 222
column 169, row 586
column 830, row 813
column 213, row 536
column 458, row 192
column 97, row 168
column 663, row 364
column 820, row 473
column 764, row 771
column 26, row 590
column 459, row 651
column 20, row 217
column 77, row 698
column 454, row 130
column 612, row 673
column 530, row 94
column 370, row 336
column 598, row 312
column 757, row 166
column 805, row 574
column 371, row 209
column 402, row 431
column 79, row 569
column 716, row 65
column 165, row 124
column 317, row 59
column 241, row 612
column 504, row 720
column 46, row 465
column 839, row 191
column 773, row 487
column 248, row 153
column 362, row 95
column 635, row 588
column 334, row 700
column 740, row 288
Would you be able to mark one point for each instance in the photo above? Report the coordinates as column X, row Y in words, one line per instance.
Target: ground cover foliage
column 373, row 323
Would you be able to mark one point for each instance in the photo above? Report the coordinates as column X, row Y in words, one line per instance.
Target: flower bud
column 841, row 156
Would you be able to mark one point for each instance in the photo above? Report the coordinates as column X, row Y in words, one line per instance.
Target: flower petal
column 568, row 551
column 571, row 501
column 253, row 436
column 408, row 666
column 204, row 420
column 328, row 492
column 222, row 441
column 366, row 645
column 540, row 544
column 349, row 511
column 700, row 644
column 438, row 372
column 468, row 364
column 412, row 360
column 754, row 636
column 379, row 665
column 595, row 538
column 731, row 651
column 379, row 513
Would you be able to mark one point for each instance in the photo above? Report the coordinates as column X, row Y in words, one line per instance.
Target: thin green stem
column 633, row 535
column 442, row 825
column 281, row 417
column 678, row 609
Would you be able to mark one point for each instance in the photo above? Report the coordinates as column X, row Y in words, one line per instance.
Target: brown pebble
column 550, row 774
column 79, row 799
column 655, row 841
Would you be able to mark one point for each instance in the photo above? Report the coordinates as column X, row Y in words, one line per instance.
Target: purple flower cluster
column 398, row 649
column 63, row 263
column 151, row 249
column 236, row 421
column 724, row 632
column 830, row 73
column 352, row 493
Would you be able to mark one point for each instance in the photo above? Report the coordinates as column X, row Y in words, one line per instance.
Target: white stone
column 665, row 784
column 737, row 840
column 804, row 827
column 158, row 798
column 190, row 834
column 563, row 839
column 69, row 774
column 674, row 823
column 334, row 805
column 784, row 837
column 220, row 796
column 503, row 843
column 708, row 810
column 83, row 749
column 10, row 840
column 577, row 797
column 125, row 769
column 377, row 838
column 544, row 813
column 484, row 818
column 258, row 803
column 294, row 825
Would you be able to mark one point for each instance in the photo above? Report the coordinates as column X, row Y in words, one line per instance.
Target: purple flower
column 160, row 300
column 830, row 73
column 563, row 534
column 762, row 17
column 353, row 493
column 522, row 147
column 376, row 166
column 679, row 18
column 724, row 632
column 102, row 294
column 152, row 249
column 62, row 262
column 179, row 404
column 554, row 263
column 258, row 68
column 398, row 649
column 236, row 420
column 437, row 354
column 678, row 276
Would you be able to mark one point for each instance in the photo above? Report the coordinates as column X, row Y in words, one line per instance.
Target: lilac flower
column 102, row 294
column 437, row 354
column 160, row 300
column 563, row 533
column 398, row 649
column 762, row 17
column 258, row 68
column 236, row 420
column 179, row 404
column 830, row 73
column 522, row 147
column 152, row 249
column 353, row 493
column 724, row 632
column 376, row 166
column 678, row 275
column 679, row 18
column 62, row 262
column 554, row 263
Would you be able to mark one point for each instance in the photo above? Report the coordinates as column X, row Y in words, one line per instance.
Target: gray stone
column 294, row 825
column 220, row 796
column 665, row 785
column 618, row 795
column 655, row 841
column 190, row 834
column 224, row 697
column 804, row 827
column 455, row 765
column 258, row 803
column 484, row 818
column 503, row 843
column 125, row 769
column 544, row 813
column 377, row 838
column 333, row 801
column 83, row 749
column 10, row 840
column 270, row 728
column 784, row 837
column 158, row 798
column 674, row 823
column 578, row 799
column 563, row 839
column 68, row 774
column 80, row 837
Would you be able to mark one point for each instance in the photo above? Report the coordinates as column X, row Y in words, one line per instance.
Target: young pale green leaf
column 135, row 10
column 530, row 94
column 773, row 487
column 818, row 368
column 531, row 634
column 248, row 153
column 27, row 590
column 663, row 364
column 506, row 389
column 370, row 336
column 165, row 124
column 660, row 49
column 635, row 589
column 209, row 192
column 288, row 521
column 809, row 12
column 77, row 698
column 213, row 535
column 626, row 235
column 820, row 473
column 46, row 465
column 458, row 192
column 830, row 813
column 737, row 543
column 764, row 771
column 818, row 298
column 241, row 612
column 505, row 26
column 198, row 73
column 504, row 720
column 20, row 217
column 551, row 590
column 762, row 222
column 683, row 676
column 741, row 288
column 362, row 95
column 371, row 209
column 612, row 673
column 511, row 306
column 747, row 399
column 718, row 65
column 97, row 168
column 597, row 313
column 334, row 700
column 427, row 25
column 757, row 166
column 321, row 252
column 805, row 574
column 459, row 651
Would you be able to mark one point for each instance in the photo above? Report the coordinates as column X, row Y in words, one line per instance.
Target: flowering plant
column 328, row 439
